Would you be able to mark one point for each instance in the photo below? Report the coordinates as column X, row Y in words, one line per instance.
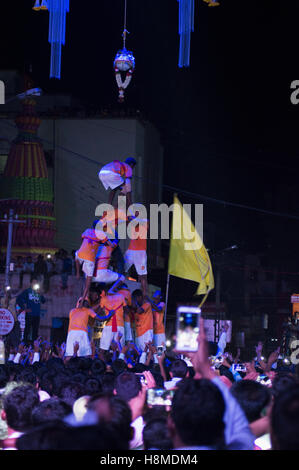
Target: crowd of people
column 125, row 398
column 115, row 383
column 42, row 267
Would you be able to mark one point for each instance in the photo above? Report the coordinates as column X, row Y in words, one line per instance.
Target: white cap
column 43, row 395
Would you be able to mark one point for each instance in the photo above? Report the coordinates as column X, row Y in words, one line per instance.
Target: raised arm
column 100, row 314
column 238, row 435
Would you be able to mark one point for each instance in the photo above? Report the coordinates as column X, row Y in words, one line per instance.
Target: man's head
column 113, row 411
column 92, row 385
column 156, row 435
column 98, row 367
column 60, row 436
column 249, row 362
column 71, row 391
column 131, row 162
column 107, row 382
column 18, row 406
column 52, row 409
column 284, row 427
column 138, row 296
column 252, row 396
column 105, row 289
column 27, row 375
column 94, row 295
column 84, row 303
column 178, row 369
column 127, row 386
column 197, row 414
column 282, row 382
column 157, row 296
column 118, row 366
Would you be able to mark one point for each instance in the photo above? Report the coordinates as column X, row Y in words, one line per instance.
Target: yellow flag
column 188, row 257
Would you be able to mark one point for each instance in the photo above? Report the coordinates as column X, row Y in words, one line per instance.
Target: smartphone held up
column 159, row 397
column 187, row 328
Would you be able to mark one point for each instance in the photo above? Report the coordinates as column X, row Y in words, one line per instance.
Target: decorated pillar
column 26, row 188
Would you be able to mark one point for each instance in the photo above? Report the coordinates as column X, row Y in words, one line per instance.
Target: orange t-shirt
column 121, row 168
column 158, row 319
column 78, row 318
column 90, row 245
column 103, row 257
column 114, row 302
column 139, row 243
column 128, row 298
column 144, row 321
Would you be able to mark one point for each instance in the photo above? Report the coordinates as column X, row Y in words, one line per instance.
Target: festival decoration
column 186, row 27
column 124, row 63
column 26, row 186
column 57, row 21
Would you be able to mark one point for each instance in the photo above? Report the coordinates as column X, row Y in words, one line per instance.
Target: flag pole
column 167, row 283
column 166, row 299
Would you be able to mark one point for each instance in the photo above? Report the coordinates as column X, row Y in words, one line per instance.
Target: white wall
column 82, row 147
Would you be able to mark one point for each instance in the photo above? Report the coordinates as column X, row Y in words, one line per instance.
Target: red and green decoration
column 26, row 187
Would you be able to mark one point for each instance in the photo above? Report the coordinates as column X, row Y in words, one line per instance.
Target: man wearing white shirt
column 130, row 388
column 222, row 340
column 178, row 371
column 237, row 433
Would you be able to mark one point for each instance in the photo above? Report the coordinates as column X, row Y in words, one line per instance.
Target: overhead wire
column 175, row 189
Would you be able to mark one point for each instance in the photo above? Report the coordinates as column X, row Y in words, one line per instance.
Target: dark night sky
column 227, row 124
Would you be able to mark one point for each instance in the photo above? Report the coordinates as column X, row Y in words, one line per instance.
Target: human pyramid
column 107, row 303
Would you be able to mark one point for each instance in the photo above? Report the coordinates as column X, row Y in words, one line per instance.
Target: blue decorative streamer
column 186, row 27
column 57, row 21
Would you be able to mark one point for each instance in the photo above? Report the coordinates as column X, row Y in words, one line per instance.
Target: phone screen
column 159, row 396
column 264, row 380
column 187, row 328
column 239, row 368
column 142, row 378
